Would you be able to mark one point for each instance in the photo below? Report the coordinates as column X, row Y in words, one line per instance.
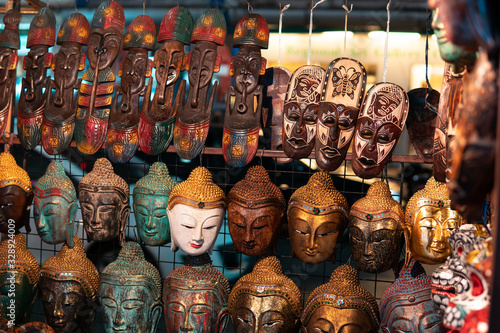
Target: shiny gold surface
column 12, row 174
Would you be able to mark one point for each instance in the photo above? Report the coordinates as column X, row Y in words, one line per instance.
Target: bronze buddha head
column 317, row 217
column 375, row 229
column 255, row 209
column 195, row 297
column 69, row 283
column 265, row 300
column 104, row 199
column 130, row 292
column 341, row 305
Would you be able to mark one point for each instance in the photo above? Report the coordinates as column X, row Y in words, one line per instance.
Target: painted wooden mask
column 130, row 292
column 255, row 209
column 244, row 102
column 59, row 116
column 317, row 216
column 156, row 126
column 192, row 123
column 301, row 111
column 379, row 126
column 341, row 305
column 342, row 92
column 96, row 91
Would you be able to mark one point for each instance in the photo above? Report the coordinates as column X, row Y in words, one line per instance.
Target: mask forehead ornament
column 59, row 116
column 383, row 116
column 192, row 123
column 151, row 194
column 244, row 102
column 343, row 90
column 255, row 210
column 376, row 227
column 317, row 217
column 271, row 296
column 156, row 126
column 341, row 302
column 55, row 205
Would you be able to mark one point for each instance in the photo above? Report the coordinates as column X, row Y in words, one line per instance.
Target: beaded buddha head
column 429, row 221
column 16, row 194
column 104, row 199
column 55, row 206
column 35, row 327
column 195, row 297
column 317, row 217
column 18, row 284
column 150, row 196
column 406, row 306
column 341, row 305
column 130, row 292
column 265, row 300
column 255, row 209
column 68, row 284
column 196, row 209
column 375, row 228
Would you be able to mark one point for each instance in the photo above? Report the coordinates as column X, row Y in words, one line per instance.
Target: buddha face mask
column 301, row 111
column 379, row 126
column 343, row 90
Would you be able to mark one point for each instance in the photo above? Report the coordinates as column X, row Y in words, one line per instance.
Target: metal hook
column 250, row 8
column 76, row 8
column 144, row 7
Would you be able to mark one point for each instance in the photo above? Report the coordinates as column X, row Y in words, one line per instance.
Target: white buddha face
column 194, row 230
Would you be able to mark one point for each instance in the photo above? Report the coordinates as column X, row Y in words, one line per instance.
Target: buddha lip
column 248, row 245
column 297, row 143
column 59, row 323
column 366, row 162
column 196, row 246
column 438, row 250
column 330, row 152
column 311, row 252
column 150, row 233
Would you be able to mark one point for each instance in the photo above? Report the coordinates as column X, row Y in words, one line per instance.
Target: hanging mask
column 379, row 126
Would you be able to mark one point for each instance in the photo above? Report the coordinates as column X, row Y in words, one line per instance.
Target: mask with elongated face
column 255, row 209
column 36, row 83
column 317, row 217
column 341, row 305
column 150, row 196
column 69, row 284
column 406, row 306
column 130, row 292
column 375, row 230
column 104, row 199
column 265, row 300
column 382, row 118
column 244, row 102
column 55, row 206
column 96, row 91
column 59, row 117
column 156, row 126
column 429, row 221
column 343, row 91
column 18, row 282
column 301, row 111
column 195, row 297
column 196, row 209
column 192, row 123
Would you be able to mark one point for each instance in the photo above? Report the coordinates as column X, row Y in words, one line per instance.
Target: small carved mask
column 265, row 300
column 130, row 292
column 429, row 222
column 317, row 217
column 104, row 199
column 379, row 126
column 69, row 283
column 301, row 111
column 196, row 209
column 342, row 93
column 25, row 276
column 255, row 211
column 376, row 226
column 195, row 297
column 341, row 305
column 406, row 306
column 9, row 43
column 150, row 196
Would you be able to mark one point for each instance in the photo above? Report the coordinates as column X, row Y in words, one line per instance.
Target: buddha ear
column 124, row 218
column 156, row 309
column 303, row 329
column 29, row 201
column 170, row 215
column 222, row 321
column 407, row 234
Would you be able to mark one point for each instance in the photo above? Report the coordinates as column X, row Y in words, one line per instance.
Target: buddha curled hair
column 103, row 177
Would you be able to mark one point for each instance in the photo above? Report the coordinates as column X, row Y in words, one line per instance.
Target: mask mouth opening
column 297, row 143
column 366, row 162
column 330, row 152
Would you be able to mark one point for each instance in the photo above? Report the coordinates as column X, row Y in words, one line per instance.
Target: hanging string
column 429, row 15
column 386, row 50
column 347, row 11
column 144, row 7
column 279, row 33
column 310, row 29
column 76, row 9
column 250, row 8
